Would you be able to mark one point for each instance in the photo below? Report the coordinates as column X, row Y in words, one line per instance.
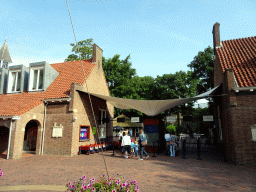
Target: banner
column 94, row 131
column 83, row 133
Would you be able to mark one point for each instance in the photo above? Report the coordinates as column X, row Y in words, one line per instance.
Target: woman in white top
column 126, row 142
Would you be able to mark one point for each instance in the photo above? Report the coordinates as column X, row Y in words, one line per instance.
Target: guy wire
column 87, row 87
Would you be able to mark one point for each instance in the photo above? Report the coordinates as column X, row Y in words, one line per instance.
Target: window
column 14, row 81
column 37, row 76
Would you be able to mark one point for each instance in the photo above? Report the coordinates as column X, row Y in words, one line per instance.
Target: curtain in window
column 13, row 80
column 35, row 79
column 18, row 81
column 41, row 75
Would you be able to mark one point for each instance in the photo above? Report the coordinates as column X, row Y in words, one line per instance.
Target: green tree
column 202, row 68
column 84, row 48
column 119, row 76
column 175, row 86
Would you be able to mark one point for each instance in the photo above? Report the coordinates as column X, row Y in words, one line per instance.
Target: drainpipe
column 42, row 152
column 9, row 141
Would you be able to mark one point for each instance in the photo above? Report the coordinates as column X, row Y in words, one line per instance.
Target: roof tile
column 69, row 72
column 240, row 54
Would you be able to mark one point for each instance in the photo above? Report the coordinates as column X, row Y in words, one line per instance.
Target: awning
column 150, row 107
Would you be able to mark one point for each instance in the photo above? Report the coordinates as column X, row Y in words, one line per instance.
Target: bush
column 169, row 128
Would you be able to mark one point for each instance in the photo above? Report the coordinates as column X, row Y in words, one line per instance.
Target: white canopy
column 150, row 107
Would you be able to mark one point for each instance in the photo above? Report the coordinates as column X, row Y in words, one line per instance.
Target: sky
column 161, row 36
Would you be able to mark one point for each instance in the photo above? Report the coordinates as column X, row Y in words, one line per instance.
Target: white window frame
column 31, row 78
column 11, row 79
column 103, row 124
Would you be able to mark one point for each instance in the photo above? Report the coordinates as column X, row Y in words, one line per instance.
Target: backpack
column 146, row 141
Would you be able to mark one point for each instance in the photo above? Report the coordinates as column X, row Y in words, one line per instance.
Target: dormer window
column 15, row 80
column 38, row 75
column 41, row 76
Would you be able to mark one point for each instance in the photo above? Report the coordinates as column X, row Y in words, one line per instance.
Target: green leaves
column 84, row 48
column 202, row 67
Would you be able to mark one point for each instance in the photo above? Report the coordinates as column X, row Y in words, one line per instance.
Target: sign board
column 171, row 118
column 253, row 129
column 57, row 130
column 94, row 130
column 135, row 119
column 208, row 118
column 83, row 133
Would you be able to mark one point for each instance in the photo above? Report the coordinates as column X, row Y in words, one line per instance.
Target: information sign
column 208, row 118
column 135, row 119
column 83, row 133
column 171, row 118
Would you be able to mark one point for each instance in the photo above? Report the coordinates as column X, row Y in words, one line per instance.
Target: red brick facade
column 237, row 112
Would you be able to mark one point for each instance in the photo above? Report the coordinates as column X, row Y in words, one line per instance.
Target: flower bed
column 103, row 184
column 1, row 173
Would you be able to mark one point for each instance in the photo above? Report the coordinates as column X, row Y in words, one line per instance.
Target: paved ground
column 161, row 173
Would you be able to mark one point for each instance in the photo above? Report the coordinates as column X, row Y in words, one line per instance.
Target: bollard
column 184, row 148
column 154, row 149
column 113, row 148
column 158, row 149
column 198, row 149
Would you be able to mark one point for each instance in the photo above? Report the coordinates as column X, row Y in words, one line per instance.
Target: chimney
column 97, row 56
column 216, row 36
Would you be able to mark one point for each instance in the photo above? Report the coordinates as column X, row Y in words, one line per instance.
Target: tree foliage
column 202, row 67
column 84, row 48
column 124, row 83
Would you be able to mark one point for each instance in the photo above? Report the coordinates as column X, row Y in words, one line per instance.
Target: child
column 132, row 147
column 136, row 149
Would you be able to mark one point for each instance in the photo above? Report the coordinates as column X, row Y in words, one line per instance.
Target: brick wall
column 58, row 113
column 218, row 74
column 244, row 115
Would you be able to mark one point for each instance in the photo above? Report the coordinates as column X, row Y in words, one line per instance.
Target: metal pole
column 154, row 149
column 42, row 152
column 9, row 141
column 184, row 148
column 198, row 148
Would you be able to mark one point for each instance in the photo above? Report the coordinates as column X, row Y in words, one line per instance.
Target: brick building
column 43, row 110
column 235, row 110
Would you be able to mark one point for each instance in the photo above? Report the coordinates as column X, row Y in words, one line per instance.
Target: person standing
column 136, row 149
column 130, row 132
column 167, row 137
column 142, row 138
column 132, row 147
column 173, row 143
column 126, row 143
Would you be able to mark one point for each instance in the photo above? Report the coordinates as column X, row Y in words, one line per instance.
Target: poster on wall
column 83, row 133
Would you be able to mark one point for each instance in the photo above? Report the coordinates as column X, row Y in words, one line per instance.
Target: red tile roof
column 240, row 54
column 69, row 72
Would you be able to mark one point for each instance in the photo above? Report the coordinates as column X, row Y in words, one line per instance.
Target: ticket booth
column 154, row 129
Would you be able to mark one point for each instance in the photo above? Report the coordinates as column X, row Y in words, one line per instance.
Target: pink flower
column 69, row 183
column 114, row 190
column 84, row 176
column 85, row 187
column 123, row 185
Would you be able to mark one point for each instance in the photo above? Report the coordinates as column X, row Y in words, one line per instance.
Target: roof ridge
column 240, row 38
